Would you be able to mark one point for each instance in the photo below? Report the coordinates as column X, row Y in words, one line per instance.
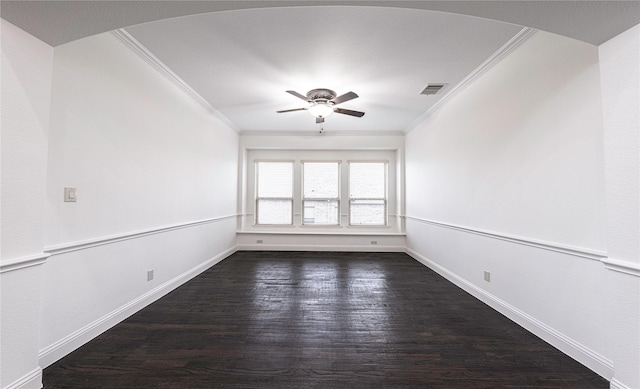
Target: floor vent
column 432, row 89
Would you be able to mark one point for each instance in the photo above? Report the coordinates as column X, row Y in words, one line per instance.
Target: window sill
column 351, row 231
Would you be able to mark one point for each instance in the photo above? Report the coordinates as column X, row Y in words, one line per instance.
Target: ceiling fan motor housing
column 321, row 95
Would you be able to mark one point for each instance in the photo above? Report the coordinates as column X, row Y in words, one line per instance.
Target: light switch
column 70, row 195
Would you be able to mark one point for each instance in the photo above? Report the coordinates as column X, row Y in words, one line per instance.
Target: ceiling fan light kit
column 320, row 110
column 321, row 103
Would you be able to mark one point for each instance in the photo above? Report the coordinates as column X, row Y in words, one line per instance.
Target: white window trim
column 394, row 224
column 303, row 199
column 386, row 193
column 258, row 198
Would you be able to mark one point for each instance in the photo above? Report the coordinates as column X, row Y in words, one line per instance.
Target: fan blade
column 345, row 97
column 291, row 110
column 298, row 95
column 349, row 112
column 320, row 120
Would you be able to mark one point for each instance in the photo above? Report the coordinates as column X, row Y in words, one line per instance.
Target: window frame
column 385, row 199
column 257, row 198
column 296, row 155
column 337, row 199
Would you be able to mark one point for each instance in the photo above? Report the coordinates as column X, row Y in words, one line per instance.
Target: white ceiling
column 242, row 62
column 242, row 58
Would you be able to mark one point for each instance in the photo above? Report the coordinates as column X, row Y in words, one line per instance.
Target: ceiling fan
column 322, row 103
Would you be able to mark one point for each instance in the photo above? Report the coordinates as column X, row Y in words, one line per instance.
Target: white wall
column 156, row 177
column 519, row 150
column 26, row 89
column 507, row 177
column 620, row 70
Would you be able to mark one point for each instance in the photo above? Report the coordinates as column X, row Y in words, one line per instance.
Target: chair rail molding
column 85, row 244
column 596, row 255
column 23, row 262
column 621, row 266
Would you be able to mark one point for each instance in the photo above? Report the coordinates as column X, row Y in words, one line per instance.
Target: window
column 309, row 191
column 368, row 193
column 321, row 193
column 274, row 193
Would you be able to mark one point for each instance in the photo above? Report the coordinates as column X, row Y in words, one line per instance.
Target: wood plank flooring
column 318, row 320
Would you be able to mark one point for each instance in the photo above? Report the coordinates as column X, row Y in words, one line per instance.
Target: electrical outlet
column 149, row 275
column 374, row 242
column 487, row 276
column 259, row 241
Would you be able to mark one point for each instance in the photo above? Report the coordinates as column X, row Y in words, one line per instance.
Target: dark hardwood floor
column 318, row 320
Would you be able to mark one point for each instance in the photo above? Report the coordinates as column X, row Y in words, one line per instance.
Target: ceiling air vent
column 432, row 89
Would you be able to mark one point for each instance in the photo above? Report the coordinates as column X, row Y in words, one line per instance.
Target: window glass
column 321, row 180
column 274, row 192
column 367, row 212
column 367, row 193
column 273, row 211
column 321, row 212
column 321, row 192
column 367, row 180
column 275, row 179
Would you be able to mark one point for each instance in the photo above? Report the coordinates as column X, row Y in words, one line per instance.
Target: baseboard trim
column 31, row 380
column 615, row 384
column 69, row 343
column 574, row 349
column 354, row 248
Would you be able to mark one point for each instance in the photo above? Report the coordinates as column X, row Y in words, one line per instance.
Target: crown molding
column 138, row 48
column 492, row 61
